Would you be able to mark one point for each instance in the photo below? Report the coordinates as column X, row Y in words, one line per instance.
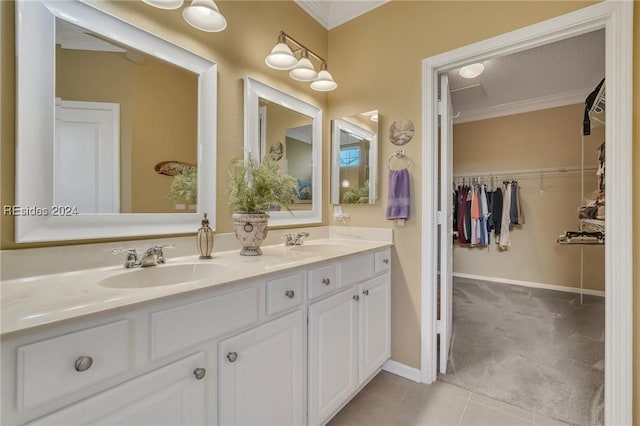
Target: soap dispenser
column 204, row 239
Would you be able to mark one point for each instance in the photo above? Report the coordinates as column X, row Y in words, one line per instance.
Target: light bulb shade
column 324, row 82
column 281, row 57
column 471, row 71
column 303, row 71
column 204, row 15
column 165, row 4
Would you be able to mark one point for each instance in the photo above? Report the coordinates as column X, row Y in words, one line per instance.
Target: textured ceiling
column 570, row 68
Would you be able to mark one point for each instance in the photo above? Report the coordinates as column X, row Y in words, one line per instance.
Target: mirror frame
column 342, row 124
column 35, row 110
column 255, row 90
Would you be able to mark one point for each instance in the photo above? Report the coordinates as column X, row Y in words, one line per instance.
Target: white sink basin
column 155, row 276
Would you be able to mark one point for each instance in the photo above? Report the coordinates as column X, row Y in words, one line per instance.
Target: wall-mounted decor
column 401, row 132
column 276, row 151
column 171, row 168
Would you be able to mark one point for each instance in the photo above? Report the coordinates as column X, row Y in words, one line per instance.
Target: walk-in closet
column 528, row 203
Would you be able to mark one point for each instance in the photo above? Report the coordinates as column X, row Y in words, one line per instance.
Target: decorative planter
column 250, row 230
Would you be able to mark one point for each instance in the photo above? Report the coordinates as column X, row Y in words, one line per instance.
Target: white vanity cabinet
column 261, row 375
column 281, row 348
column 171, row 395
column 349, row 334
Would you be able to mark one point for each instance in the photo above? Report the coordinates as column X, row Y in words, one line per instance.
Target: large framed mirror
column 354, row 159
column 290, row 131
column 105, row 147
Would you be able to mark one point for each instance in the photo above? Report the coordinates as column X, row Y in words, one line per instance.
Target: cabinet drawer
column 61, row 365
column 180, row 327
column 382, row 261
column 321, row 281
column 284, row 293
column 356, row 269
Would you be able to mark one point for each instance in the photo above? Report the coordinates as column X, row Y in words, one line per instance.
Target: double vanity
column 286, row 338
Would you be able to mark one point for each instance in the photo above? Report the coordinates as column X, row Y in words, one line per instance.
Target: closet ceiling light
column 284, row 56
column 471, row 71
column 204, row 15
column 165, row 4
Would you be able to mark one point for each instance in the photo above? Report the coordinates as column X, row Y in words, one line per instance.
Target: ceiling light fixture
column 201, row 14
column 283, row 57
column 471, row 71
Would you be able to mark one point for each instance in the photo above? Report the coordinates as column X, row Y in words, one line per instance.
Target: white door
column 446, row 222
column 375, row 326
column 171, row 396
column 262, row 374
column 86, row 168
column 333, row 354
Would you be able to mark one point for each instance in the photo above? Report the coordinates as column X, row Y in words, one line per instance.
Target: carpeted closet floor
column 537, row 349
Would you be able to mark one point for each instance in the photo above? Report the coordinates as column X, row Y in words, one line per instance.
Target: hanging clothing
column 484, row 216
column 496, row 211
column 505, row 240
column 399, row 195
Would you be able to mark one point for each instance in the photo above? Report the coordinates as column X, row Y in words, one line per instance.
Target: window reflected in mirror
column 354, row 148
column 126, row 128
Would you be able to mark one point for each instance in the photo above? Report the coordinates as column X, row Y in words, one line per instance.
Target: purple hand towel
column 399, row 199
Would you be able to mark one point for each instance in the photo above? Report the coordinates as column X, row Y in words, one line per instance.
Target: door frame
column 617, row 20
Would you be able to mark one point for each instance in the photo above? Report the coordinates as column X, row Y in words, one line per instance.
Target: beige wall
column 386, row 47
column 535, row 140
column 239, row 51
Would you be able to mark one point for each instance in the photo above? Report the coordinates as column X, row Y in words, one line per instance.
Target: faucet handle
column 157, row 250
column 132, row 256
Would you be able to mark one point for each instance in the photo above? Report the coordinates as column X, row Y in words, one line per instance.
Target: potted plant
column 255, row 188
column 184, row 184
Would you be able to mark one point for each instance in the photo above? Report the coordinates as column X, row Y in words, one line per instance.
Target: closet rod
column 523, row 172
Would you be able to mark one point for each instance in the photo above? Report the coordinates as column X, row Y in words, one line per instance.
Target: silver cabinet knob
column 232, row 356
column 365, row 292
column 83, row 363
column 290, row 294
column 326, row 281
column 356, row 297
column 199, row 373
column 385, row 261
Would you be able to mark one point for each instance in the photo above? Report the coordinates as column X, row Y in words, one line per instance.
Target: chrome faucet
column 294, row 239
column 151, row 257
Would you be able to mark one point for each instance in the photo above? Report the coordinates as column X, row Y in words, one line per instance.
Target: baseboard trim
column 402, row 370
column 530, row 284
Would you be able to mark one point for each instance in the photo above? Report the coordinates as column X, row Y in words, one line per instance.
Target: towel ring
column 400, row 155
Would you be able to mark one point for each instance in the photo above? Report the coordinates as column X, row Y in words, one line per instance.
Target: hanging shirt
column 484, row 216
column 475, row 216
column 496, row 211
column 513, row 210
column 505, row 239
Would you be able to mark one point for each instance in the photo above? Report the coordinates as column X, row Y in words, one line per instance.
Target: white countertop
column 35, row 301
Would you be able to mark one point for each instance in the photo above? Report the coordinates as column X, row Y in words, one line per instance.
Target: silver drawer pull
column 199, row 373
column 83, row 363
column 232, row 356
column 385, row 261
column 365, row 292
column 290, row 294
column 356, row 297
column 326, row 281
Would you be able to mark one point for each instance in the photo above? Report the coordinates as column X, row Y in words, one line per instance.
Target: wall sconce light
column 201, row 14
column 282, row 57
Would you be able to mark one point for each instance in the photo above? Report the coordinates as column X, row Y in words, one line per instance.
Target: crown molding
column 528, row 105
column 331, row 14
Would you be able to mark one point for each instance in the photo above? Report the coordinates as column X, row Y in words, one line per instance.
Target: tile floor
column 390, row 400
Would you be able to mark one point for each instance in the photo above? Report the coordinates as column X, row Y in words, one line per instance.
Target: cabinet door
column 262, row 374
column 171, row 395
column 332, row 354
column 374, row 326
